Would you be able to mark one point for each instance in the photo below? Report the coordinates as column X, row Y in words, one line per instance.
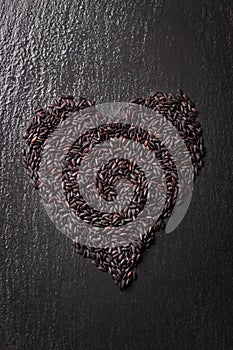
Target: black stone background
column 50, row 297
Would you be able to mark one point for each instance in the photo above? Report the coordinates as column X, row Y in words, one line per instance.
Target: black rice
column 121, row 261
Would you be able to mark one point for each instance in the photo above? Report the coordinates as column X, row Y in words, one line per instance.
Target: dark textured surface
column 50, row 297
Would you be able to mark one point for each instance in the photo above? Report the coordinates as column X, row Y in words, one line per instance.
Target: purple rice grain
column 121, row 261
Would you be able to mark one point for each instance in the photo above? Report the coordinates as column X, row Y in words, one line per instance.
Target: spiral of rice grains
column 177, row 108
